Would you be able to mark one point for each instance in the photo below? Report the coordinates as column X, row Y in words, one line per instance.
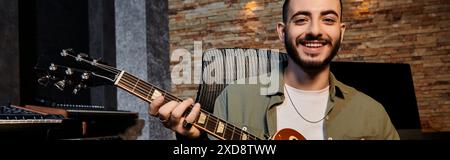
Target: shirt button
column 327, row 117
column 330, row 138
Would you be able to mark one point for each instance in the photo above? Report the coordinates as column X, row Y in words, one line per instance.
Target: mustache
column 316, row 39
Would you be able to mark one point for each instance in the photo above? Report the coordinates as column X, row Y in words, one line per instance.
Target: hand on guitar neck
column 172, row 115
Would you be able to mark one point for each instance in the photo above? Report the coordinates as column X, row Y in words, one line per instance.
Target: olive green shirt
column 350, row 114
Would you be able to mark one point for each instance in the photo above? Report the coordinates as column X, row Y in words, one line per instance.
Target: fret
column 164, row 94
column 220, row 127
column 211, row 124
column 130, row 79
column 250, row 137
column 141, row 90
column 119, row 77
column 236, row 135
column 228, row 134
column 125, row 86
column 137, row 82
column 131, row 84
column 216, row 124
column 150, row 92
column 123, row 83
column 206, row 119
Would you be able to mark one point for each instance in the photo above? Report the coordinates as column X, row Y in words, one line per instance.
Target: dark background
column 46, row 27
column 388, row 83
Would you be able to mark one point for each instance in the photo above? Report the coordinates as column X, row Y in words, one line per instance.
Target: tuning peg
column 78, row 88
column 85, row 76
column 44, row 80
column 60, row 84
column 81, row 56
column 52, row 67
column 94, row 62
column 64, row 53
column 69, row 71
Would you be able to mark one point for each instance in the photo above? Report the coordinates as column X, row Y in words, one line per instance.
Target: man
column 310, row 99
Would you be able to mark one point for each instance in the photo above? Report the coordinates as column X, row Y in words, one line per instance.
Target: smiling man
column 310, row 100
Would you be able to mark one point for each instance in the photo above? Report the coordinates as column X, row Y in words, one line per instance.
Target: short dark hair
column 286, row 9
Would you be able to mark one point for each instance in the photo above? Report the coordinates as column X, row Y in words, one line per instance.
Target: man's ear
column 281, row 31
column 343, row 27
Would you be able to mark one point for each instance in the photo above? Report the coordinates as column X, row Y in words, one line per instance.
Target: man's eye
column 300, row 21
column 329, row 20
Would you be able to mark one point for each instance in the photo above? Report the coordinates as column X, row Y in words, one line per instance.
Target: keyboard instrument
column 17, row 115
column 47, row 123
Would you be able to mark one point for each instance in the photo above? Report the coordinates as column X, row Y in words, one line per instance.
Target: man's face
column 313, row 31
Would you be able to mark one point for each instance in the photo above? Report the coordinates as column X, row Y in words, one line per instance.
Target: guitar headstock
column 78, row 72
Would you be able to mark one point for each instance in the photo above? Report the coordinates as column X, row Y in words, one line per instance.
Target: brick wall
column 416, row 32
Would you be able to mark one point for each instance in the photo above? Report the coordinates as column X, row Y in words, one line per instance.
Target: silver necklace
column 299, row 112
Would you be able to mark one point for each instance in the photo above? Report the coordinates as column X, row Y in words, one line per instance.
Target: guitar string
column 102, row 66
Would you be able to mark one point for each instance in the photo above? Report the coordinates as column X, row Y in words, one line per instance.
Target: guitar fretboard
column 206, row 121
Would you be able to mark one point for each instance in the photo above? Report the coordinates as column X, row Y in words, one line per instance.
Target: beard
column 310, row 65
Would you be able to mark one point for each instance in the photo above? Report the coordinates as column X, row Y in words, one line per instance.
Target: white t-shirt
column 310, row 104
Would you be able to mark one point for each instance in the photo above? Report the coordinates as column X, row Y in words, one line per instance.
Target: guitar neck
column 206, row 121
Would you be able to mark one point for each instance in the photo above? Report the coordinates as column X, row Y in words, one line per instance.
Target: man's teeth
column 314, row 45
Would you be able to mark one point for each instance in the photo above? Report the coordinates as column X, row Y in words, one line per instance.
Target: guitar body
column 288, row 134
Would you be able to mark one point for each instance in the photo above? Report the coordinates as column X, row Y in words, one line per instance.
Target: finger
column 155, row 105
column 177, row 113
column 190, row 131
column 192, row 117
column 166, row 110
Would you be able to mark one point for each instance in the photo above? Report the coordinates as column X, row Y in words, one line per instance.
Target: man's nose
column 314, row 29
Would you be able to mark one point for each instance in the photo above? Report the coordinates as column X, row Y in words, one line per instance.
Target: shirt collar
column 335, row 87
